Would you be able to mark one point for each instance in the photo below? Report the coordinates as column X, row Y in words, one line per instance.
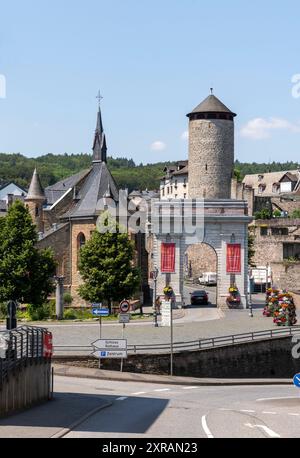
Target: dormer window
column 261, row 188
column 276, row 188
column 260, row 177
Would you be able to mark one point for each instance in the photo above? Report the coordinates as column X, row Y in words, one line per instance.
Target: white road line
column 265, row 428
column 227, row 410
column 123, row 398
column 294, row 414
column 248, row 411
column 161, row 390
column 205, row 427
column 190, row 387
column 138, row 393
column 274, row 399
column 270, row 413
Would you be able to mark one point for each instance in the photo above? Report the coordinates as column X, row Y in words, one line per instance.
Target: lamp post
column 249, row 295
column 155, row 275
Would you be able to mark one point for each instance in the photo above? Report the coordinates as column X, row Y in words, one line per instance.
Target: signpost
column 112, row 354
column 110, row 344
column 167, row 321
column 100, row 312
column 124, row 306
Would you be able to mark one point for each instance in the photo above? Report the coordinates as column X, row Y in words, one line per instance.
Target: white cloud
column 158, row 146
column 185, row 135
column 260, row 128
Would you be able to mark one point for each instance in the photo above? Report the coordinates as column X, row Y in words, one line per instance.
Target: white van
column 208, row 279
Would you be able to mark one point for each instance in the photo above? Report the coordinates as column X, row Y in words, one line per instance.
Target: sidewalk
column 83, row 372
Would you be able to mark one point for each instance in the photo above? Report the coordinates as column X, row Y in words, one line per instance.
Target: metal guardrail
column 20, row 347
column 200, row 344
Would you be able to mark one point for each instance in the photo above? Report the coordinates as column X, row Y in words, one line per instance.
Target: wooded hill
column 54, row 167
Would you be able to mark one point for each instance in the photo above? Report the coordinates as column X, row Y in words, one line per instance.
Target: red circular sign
column 124, row 306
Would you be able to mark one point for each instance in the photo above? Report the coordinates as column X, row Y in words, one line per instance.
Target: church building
column 66, row 213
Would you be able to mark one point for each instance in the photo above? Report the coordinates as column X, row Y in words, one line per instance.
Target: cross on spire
column 211, row 90
column 99, row 97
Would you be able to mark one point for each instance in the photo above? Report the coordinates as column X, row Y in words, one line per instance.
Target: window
column 168, row 190
column 80, row 244
column 171, row 189
column 184, row 182
column 163, row 192
column 37, row 211
column 260, row 177
column 263, row 231
column 280, row 231
column 261, row 189
column 275, row 188
column 184, row 196
column 291, row 250
column 206, row 167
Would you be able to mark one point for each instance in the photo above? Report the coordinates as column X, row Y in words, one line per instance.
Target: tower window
column 80, row 244
column 206, row 167
column 37, row 211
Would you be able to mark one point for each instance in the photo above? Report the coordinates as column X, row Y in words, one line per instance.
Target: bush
column 68, row 299
column 45, row 311
column 3, row 311
column 70, row 314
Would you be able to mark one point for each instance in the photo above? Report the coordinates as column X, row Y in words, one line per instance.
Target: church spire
column 99, row 146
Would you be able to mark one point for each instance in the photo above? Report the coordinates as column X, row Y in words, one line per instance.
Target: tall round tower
column 211, row 150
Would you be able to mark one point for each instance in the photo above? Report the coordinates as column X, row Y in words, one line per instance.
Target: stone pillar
column 59, row 297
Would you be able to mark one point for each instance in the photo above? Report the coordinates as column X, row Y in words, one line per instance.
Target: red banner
column 168, row 258
column 48, row 345
column 233, row 258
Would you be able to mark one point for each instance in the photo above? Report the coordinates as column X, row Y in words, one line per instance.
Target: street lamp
column 155, row 275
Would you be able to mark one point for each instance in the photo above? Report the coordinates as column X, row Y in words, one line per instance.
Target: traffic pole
column 171, row 361
column 123, row 331
column 100, row 333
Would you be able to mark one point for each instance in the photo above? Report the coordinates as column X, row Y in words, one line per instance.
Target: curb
column 76, row 423
column 79, row 372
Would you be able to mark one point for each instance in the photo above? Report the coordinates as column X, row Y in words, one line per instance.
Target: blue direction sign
column 100, row 312
column 297, row 380
column 96, row 305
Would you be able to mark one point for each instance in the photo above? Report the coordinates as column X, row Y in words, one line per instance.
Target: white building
column 174, row 185
column 11, row 189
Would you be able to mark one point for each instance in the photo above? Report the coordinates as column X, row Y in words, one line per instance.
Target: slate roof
column 98, row 183
column 56, row 191
column 35, row 189
column 268, row 180
column 212, row 105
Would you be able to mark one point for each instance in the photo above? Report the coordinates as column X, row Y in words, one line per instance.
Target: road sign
column 297, row 380
column 124, row 318
column 124, row 306
column 114, row 354
column 111, row 344
column 166, row 313
column 100, row 312
column 97, row 305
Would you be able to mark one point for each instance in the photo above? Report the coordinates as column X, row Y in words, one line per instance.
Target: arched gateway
column 209, row 215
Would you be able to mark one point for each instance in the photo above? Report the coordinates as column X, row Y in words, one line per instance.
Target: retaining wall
column 258, row 359
column 27, row 386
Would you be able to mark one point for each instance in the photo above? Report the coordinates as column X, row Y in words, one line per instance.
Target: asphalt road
column 163, row 411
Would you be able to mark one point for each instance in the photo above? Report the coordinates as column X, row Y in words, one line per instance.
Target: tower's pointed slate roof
column 99, row 145
column 211, row 105
column 96, row 186
column 35, row 189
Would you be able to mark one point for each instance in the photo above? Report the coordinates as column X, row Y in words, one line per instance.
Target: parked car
column 208, row 279
column 199, row 297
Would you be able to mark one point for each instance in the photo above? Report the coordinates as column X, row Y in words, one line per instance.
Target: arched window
column 80, row 240
column 80, row 244
column 37, row 211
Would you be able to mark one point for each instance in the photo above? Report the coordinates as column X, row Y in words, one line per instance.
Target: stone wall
column 286, row 275
column 59, row 241
column 259, row 359
column 211, row 157
column 28, row 386
column 201, row 258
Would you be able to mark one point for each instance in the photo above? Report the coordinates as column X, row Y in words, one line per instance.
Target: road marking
column 294, row 414
column 265, row 428
column 189, row 387
column 274, row 399
column 248, row 411
column 138, row 393
column 162, row 389
column 271, row 413
column 205, row 427
column 123, row 398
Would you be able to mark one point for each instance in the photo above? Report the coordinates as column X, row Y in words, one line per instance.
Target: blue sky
column 154, row 61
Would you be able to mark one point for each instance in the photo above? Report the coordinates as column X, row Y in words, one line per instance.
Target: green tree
column 264, row 213
column 106, row 265
column 296, row 213
column 25, row 272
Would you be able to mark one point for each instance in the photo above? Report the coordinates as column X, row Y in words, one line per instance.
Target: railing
column 200, row 344
column 20, row 347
